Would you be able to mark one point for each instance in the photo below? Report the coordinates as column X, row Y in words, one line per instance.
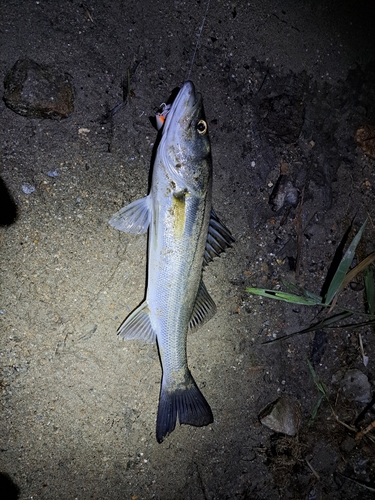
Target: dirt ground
column 282, row 82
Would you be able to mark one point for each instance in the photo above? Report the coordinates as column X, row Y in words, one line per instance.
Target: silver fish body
column 184, row 235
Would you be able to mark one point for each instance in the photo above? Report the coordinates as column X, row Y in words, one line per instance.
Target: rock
column 365, row 136
column 284, row 193
column 356, row 387
column 348, row 444
column 283, row 415
column 28, row 188
column 38, row 91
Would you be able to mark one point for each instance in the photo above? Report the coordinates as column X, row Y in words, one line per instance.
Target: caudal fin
column 187, row 403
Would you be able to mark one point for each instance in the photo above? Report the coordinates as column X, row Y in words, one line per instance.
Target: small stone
column 38, row 91
column 365, row 136
column 28, row 188
column 283, row 415
column 52, row 173
column 356, row 387
column 348, row 444
column 283, row 194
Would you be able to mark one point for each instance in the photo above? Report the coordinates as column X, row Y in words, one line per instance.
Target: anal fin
column 204, row 308
column 219, row 238
column 137, row 326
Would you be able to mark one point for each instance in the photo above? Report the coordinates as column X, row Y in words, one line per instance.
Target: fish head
column 185, row 145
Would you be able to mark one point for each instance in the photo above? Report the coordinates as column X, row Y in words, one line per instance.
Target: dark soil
column 286, row 85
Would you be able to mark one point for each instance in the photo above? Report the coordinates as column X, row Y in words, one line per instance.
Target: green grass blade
column 370, row 290
column 284, row 296
column 317, row 326
column 334, row 319
column 354, row 326
column 358, row 269
column 326, row 322
column 320, row 386
column 312, row 371
column 311, row 295
column 321, row 389
column 291, row 287
column 315, row 411
column 343, row 268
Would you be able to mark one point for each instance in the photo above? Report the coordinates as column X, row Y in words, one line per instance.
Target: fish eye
column 201, row 127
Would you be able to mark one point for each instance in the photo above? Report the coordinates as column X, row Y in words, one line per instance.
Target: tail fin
column 188, row 403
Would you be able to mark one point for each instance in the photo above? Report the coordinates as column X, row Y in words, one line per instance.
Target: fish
column 184, row 235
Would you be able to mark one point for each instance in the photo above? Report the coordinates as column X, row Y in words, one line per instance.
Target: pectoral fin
column 219, row 238
column 134, row 218
column 204, row 308
column 137, row 326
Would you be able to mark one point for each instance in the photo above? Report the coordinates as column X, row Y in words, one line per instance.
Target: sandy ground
column 79, row 405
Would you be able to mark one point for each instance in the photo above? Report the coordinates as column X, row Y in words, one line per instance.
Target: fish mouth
column 183, row 108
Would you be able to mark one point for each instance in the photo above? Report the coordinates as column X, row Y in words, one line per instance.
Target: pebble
column 27, row 188
column 283, row 415
column 38, row 91
column 356, row 387
column 52, row 173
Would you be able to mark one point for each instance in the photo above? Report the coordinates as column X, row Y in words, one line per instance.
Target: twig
column 363, row 432
column 299, row 234
column 360, row 483
column 349, row 427
column 87, row 12
column 364, row 357
column 312, row 469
